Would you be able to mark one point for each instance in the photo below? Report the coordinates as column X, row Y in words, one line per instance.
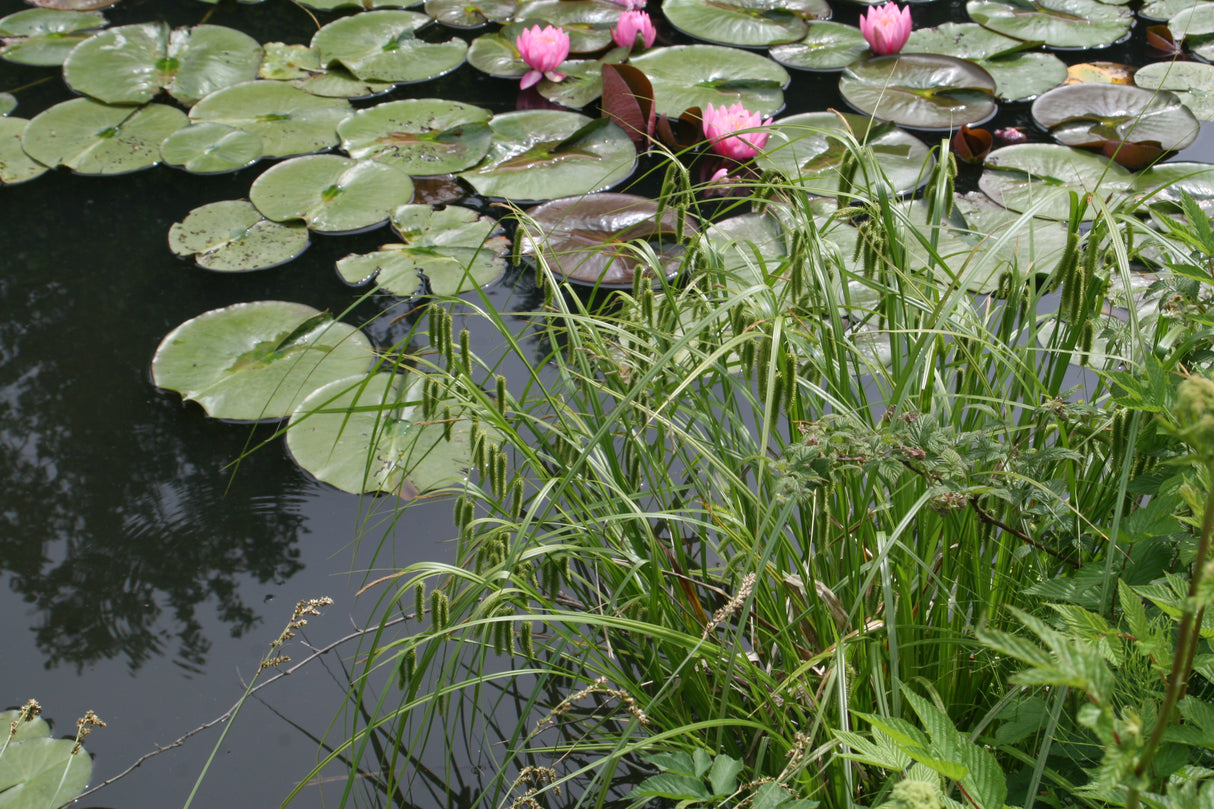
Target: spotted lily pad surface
column 210, row 148
column 422, row 136
column 43, row 36
column 368, row 434
column 592, row 239
column 965, row 40
column 470, row 14
column 1056, row 23
column 38, row 771
column 454, row 247
column 332, row 194
column 233, row 236
column 381, row 46
column 919, row 90
column 258, row 361
column 300, row 65
column 94, row 138
column 1090, row 114
column 1192, row 82
column 16, row 166
column 286, row 119
column 540, row 154
column 809, row 149
column 1038, row 178
column 685, row 76
column 745, row 23
column 826, row 46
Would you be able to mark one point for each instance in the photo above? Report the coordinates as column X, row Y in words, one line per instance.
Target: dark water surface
column 144, row 576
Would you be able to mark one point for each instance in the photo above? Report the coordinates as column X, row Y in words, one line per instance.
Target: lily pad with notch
column 332, row 194
column 964, row 40
column 1038, row 178
column 1192, row 82
column 457, row 249
column 745, row 23
column 1161, row 186
column 809, row 149
column 369, row 434
column 536, row 154
column 826, row 46
column 37, row 771
column 16, row 166
column 496, row 55
column 131, row 64
column 258, row 361
column 43, row 36
column 94, row 138
column 1024, row 76
column 382, row 46
column 470, row 13
column 587, row 22
column 1063, row 24
column 1091, row 114
column 422, row 136
column 288, row 120
column 210, row 148
column 686, row 76
column 921, row 91
column 300, row 65
column 233, row 236
column 593, row 240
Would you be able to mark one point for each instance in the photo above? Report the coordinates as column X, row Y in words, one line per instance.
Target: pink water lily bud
column 1011, row 135
column 886, row 28
column 543, row 50
column 723, row 124
column 631, row 25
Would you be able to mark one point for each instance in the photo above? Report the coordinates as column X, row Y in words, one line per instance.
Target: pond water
column 145, row 573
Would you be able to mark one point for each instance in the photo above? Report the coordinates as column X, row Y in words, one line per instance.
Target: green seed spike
column 501, row 393
column 448, row 423
column 788, row 375
column 419, row 601
column 440, row 610
column 434, row 315
column 500, row 631
column 526, row 640
column 407, row 667
column 465, row 351
column 502, row 471
column 516, row 498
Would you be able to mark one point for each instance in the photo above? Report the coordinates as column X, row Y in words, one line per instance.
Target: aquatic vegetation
column 543, row 49
column 886, row 28
column 726, row 131
column 634, row 24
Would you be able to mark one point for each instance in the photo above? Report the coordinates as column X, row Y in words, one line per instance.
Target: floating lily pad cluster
column 209, row 99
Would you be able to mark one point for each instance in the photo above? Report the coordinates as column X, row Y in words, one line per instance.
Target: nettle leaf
column 369, row 433
column 132, row 63
column 43, row 36
column 455, row 248
column 233, row 236
column 258, row 361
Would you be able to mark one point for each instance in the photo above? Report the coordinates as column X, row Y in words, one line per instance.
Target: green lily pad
column 233, row 236
column 1038, row 178
column 333, row 5
column 332, row 194
column 749, row 249
column 288, row 120
column 587, row 22
column 210, row 148
column 539, row 154
column 74, row 5
column 685, row 76
column 8, row 103
column 591, row 239
column 1024, row 76
column 1192, row 82
column 1161, row 185
column 42, row 772
column 1164, row 10
column 1056, row 23
column 132, row 63
column 422, row 136
column 1192, row 22
column 368, row 434
column 583, row 81
column 470, row 13
column 15, row 165
column 496, row 55
column 457, row 249
column 1009, row 242
column 1090, row 114
column 94, row 138
column 43, row 36
column 300, row 65
column 258, row 361
column 964, row 40
column 381, row 46
column 919, row 90
column 809, row 149
column 827, row 46
column 745, row 23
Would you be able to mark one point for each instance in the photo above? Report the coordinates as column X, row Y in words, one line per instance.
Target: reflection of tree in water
column 116, row 521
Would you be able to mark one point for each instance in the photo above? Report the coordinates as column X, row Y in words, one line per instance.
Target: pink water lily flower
column 886, row 28
column 721, row 125
column 632, row 24
column 543, row 50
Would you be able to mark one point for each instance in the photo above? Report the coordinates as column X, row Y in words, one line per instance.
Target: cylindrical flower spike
column 631, row 25
column 886, row 28
column 543, row 50
column 721, row 125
